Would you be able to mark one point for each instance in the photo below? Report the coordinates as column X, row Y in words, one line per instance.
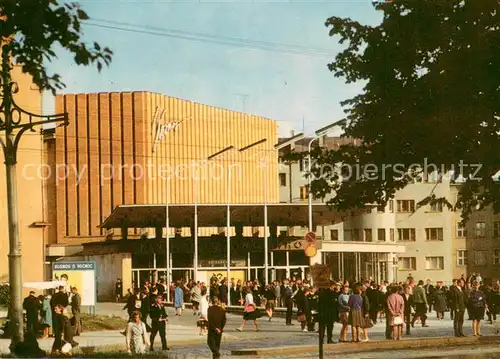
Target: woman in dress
column 395, row 312
column 178, row 299
column 203, row 322
column 46, row 316
column 250, row 311
column 136, row 338
column 356, row 318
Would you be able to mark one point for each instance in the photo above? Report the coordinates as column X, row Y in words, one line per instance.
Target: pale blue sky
column 282, row 86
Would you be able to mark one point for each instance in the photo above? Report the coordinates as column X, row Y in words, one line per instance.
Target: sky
column 267, row 58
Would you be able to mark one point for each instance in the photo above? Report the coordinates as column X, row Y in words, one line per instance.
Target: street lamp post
column 14, row 124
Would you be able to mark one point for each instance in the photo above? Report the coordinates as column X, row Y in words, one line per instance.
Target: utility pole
column 14, row 124
column 244, row 97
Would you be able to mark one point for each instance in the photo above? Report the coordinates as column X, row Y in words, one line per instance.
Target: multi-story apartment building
column 482, row 250
column 428, row 241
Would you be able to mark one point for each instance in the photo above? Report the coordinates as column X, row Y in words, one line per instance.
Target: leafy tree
column 431, row 71
column 30, row 30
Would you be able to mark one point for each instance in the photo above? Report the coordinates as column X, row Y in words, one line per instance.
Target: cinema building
column 130, row 162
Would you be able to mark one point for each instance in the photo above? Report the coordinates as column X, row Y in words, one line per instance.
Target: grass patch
column 94, row 323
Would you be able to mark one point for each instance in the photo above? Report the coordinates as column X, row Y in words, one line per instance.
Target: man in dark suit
column 327, row 306
column 459, row 301
column 408, row 299
column 159, row 319
column 32, row 305
column 216, row 321
column 287, row 296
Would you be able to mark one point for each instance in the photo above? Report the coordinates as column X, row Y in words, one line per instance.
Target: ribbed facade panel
column 114, row 156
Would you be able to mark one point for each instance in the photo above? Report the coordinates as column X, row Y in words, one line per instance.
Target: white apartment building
column 388, row 243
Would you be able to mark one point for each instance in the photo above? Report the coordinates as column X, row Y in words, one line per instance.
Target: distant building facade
column 432, row 238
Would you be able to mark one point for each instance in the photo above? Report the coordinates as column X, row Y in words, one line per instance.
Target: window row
column 478, row 257
column 401, row 234
column 481, row 230
column 410, row 263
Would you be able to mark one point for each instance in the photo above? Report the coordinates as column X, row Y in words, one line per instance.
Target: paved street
column 183, row 335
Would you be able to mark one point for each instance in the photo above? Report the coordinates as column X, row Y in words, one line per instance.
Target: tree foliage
column 31, row 29
column 431, row 75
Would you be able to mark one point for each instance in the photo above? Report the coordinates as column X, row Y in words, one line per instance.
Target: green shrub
column 4, row 295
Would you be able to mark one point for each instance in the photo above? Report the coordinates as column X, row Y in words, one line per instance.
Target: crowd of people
column 55, row 315
column 355, row 305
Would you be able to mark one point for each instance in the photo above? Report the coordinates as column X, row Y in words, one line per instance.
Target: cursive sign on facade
column 159, row 128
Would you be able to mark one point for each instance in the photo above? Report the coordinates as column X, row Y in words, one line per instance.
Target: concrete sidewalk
column 177, row 335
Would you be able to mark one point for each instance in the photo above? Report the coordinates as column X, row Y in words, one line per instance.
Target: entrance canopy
column 214, row 215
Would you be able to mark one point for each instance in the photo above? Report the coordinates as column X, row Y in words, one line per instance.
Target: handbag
column 368, row 323
column 398, row 321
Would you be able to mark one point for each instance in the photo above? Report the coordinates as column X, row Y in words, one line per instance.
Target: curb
column 386, row 345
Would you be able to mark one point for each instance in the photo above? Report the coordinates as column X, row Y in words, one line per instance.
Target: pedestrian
column 136, row 335
column 159, row 319
column 63, row 332
column 288, row 302
column 134, row 302
column 178, row 299
column 478, row 306
column 327, row 307
column 250, row 311
column 439, row 298
column 344, row 313
column 203, row 322
column 395, row 305
column 32, row 306
column 46, row 316
column 356, row 318
column 216, row 323
column 367, row 322
column 196, row 298
column 118, row 290
column 76, row 302
column 270, row 295
column 459, row 301
column 420, row 300
column 408, row 305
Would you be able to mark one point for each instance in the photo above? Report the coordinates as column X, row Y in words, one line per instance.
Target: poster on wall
column 81, row 275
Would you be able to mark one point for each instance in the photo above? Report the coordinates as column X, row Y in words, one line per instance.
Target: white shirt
column 249, row 298
column 204, row 306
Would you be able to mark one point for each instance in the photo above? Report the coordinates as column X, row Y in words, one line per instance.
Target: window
column 462, row 259
column 391, row 206
column 406, row 234
column 437, row 207
column 381, row 234
column 380, row 209
column 496, row 256
column 480, row 229
column 480, row 258
column 304, row 165
column 334, row 234
column 407, row 263
column 368, row 235
column 406, row 206
column 461, row 230
column 434, row 234
column 391, row 234
column 351, row 235
column 434, row 263
column 496, row 228
column 283, row 179
column 303, row 192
